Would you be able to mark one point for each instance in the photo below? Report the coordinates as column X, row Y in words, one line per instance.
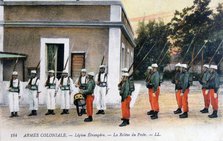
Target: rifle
column 203, row 46
column 216, row 52
column 220, row 60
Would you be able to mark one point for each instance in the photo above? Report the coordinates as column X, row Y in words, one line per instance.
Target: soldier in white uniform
column 81, row 84
column 52, row 87
column 66, row 87
column 101, row 81
column 14, row 95
column 33, row 86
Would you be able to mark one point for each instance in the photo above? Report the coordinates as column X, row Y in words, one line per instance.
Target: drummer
column 81, row 83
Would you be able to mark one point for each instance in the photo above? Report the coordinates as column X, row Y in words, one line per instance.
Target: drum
column 79, row 101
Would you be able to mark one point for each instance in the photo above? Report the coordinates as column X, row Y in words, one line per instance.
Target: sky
column 156, row 9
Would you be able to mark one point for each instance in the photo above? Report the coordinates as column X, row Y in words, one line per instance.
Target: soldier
column 89, row 95
column 178, row 89
column 184, row 79
column 52, row 89
column 81, row 83
column 101, row 81
column 155, row 81
column 125, row 93
column 204, row 78
column 150, row 91
column 66, row 87
column 213, row 85
column 14, row 95
column 33, row 86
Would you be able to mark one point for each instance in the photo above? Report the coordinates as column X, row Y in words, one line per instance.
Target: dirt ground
column 168, row 127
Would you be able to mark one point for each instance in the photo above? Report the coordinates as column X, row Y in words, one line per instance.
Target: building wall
column 27, row 41
column 57, row 13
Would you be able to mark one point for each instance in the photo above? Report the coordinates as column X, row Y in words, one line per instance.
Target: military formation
column 87, row 81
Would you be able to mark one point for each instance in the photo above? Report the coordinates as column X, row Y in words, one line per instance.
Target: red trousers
column 185, row 101
column 155, row 100
column 126, row 108
column 89, row 105
column 214, row 101
column 150, row 91
column 178, row 98
column 206, row 98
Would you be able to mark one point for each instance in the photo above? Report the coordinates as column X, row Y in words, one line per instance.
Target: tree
column 150, row 34
column 190, row 28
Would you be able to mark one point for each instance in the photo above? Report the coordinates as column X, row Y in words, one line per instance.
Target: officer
column 14, row 94
column 155, row 81
column 125, row 93
column 213, row 85
column 66, row 87
column 52, row 88
column 184, row 79
column 81, row 83
column 178, row 89
column 149, row 86
column 101, row 81
column 34, row 91
column 89, row 95
column 204, row 78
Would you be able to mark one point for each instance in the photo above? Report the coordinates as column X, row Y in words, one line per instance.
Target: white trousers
column 101, row 93
column 13, row 101
column 33, row 100
column 65, row 99
column 51, row 99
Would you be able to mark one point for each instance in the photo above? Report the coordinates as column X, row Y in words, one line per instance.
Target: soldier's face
column 154, row 69
column 204, row 69
column 33, row 75
column 149, row 70
column 90, row 77
column 83, row 73
column 51, row 74
column 102, row 70
column 14, row 77
column 177, row 68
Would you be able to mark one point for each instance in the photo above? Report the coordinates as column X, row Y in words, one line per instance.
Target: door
column 77, row 63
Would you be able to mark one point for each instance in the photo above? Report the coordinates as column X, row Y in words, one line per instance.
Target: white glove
column 154, row 95
column 206, row 92
column 182, row 94
column 215, row 95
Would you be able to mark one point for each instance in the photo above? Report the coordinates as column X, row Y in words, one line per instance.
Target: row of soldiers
column 210, row 84
column 85, row 85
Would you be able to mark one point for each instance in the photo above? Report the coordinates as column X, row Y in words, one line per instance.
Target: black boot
column 52, row 112
column 127, row 121
column 155, row 115
column 102, row 112
column 63, row 112
column 178, row 111
column 184, row 115
column 16, row 114
column 48, row 112
column 32, row 113
column 99, row 112
column 89, row 119
column 35, row 112
column 66, row 111
column 12, row 115
column 151, row 112
column 214, row 114
column 124, row 123
column 205, row 110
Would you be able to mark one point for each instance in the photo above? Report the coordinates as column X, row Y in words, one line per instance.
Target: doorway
column 55, row 58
